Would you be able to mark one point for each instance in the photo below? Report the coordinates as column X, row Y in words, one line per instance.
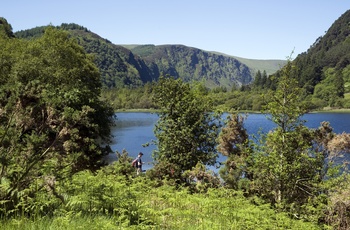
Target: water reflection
column 133, row 131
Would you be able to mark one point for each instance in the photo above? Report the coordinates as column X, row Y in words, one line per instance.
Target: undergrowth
column 105, row 200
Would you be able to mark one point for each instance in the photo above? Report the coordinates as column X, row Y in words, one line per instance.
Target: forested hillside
column 134, row 66
column 117, row 65
column 323, row 71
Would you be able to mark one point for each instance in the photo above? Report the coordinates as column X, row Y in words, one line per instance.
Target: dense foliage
column 107, row 200
column 233, row 143
column 323, row 70
column 52, row 122
column 299, row 157
column 5, row 28
column 117, row 65
column 186, row 130
column 292, row 167
column 131, row 98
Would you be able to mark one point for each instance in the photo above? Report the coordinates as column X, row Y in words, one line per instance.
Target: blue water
column 135, row 130
column 132, row 132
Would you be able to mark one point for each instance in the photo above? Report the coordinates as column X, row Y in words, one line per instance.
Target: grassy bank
column 166, row 209
column 142, row 206
column 332, row 110
column 136, row 111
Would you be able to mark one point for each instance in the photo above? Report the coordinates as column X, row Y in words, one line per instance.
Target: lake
column 134, row 130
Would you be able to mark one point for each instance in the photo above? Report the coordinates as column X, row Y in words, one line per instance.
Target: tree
column 290, row 166
column 186, row 129
column 264, row 79
column 339, row 84
column 258, row 79
column 52, row 122
column 331, row 89
column 284, row 105
column 234, row 143
column 5, row 28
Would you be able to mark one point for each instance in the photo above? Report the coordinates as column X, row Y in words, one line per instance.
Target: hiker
column 139, row 163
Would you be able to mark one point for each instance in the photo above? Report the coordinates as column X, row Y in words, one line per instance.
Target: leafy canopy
column 290, row 168
column 52, row 122
column 186, row 129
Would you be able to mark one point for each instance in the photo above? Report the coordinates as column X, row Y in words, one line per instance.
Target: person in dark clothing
column 139, row 163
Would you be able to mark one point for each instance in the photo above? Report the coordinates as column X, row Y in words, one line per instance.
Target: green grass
column 73, row 221
column 130, row 46
column 219, row 209
column 107, row 200
column 347, row 96
column 166, row 208
column 270, row 66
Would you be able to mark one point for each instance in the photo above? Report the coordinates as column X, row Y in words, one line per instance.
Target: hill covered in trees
column 323, row 71
column 136, row 65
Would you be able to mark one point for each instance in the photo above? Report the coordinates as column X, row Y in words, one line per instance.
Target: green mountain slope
column 118, row 66
column 329, row 51
column 324, row 69
column 134, row 65
column 270, row 66
column 193, row 64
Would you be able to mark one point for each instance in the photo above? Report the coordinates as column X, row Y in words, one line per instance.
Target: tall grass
column 108, row 201
column 217, row 209
column 70, row 221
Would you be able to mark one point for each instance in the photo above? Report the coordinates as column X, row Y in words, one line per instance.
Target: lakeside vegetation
column 136, row 203
column 247, row 98
column 55, row 130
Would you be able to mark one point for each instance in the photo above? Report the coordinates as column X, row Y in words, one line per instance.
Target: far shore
column 330, row 110
column 326, row 110
column 136, row 111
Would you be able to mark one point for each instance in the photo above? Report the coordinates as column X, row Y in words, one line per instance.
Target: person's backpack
column 134, row 163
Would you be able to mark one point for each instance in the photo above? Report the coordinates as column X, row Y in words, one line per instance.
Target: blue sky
column 256, row 29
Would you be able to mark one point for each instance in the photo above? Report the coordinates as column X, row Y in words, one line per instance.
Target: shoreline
column 135, row 111
column 331, row 111
column 242, row 111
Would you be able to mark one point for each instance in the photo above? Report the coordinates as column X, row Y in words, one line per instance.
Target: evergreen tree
column 264, row 79
column 5, row 28
column 258, row 79
column 339, row 84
